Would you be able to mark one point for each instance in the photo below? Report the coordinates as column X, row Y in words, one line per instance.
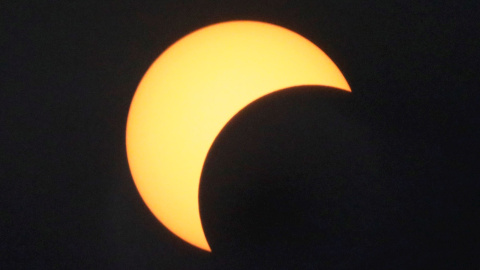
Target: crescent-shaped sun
column 191, row 91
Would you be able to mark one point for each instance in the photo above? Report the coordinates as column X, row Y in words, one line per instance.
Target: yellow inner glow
column 191, row 91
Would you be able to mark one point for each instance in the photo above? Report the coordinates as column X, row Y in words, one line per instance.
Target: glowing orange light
column 191, row 91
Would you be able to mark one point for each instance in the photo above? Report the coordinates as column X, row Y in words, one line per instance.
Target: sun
column 191, row 91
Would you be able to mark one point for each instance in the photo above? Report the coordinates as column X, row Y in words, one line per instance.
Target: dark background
column 70, row 68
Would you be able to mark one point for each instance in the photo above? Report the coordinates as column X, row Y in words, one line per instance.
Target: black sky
column 70, row 68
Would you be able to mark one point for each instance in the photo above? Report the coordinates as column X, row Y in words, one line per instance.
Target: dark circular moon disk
column 293, row 180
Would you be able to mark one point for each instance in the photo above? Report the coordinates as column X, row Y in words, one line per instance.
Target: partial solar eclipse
column 188, row 95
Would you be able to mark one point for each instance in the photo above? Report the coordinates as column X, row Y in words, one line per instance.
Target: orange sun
column 191, row 91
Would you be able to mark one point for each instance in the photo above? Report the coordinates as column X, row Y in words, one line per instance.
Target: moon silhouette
column 188, row 95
